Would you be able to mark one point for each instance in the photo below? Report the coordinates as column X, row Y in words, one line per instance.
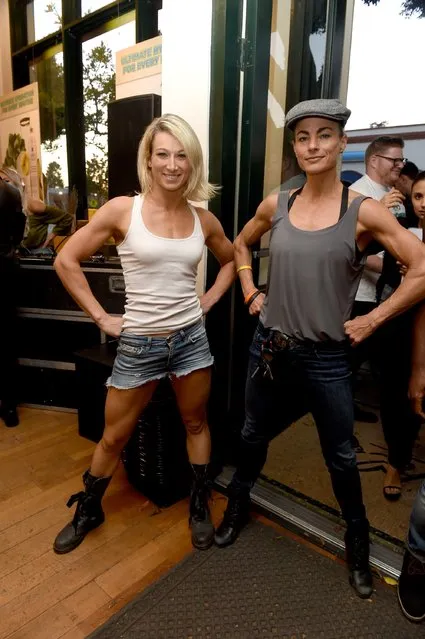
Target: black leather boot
column 199, row 517
column 411, row 588
column 357, row 554
column 236, row 516
column 88, row 514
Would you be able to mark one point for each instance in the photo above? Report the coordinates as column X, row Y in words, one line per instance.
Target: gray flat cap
column 328, row 109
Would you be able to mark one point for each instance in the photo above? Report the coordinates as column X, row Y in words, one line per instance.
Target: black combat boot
column 357, row 554
column 88, row 515
column 236, row 516
column 199, row 518
column 411, row 588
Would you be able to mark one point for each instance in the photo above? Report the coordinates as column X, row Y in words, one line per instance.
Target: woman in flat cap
column 299, row 357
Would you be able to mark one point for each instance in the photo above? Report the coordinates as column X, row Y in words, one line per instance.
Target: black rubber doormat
column 265, row 585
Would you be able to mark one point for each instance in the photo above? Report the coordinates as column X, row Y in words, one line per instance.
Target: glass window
column 88, row 6
column 43, row 18
column 99, row 89
column 48, row 72
column 371, row 95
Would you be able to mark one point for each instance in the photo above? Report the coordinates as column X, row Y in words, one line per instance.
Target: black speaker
column 128, row 119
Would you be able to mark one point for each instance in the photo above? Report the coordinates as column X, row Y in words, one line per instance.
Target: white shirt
column 417, row 232
column 160, row 276
column 366, row 186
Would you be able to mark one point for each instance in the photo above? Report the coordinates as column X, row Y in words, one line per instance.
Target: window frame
column 75, row 29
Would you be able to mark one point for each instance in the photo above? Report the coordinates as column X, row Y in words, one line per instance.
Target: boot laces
column 359, row 551
column 76, row 497
column 199, row 502
column 234, row 511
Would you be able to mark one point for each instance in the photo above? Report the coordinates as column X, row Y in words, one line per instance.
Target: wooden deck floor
column 47, row 596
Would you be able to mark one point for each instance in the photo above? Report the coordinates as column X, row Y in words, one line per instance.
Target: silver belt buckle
column 280, row 341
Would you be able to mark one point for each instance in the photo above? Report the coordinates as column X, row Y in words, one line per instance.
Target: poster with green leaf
column 20, row 137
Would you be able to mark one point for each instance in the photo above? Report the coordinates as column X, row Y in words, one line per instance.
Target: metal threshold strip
column 317, row 528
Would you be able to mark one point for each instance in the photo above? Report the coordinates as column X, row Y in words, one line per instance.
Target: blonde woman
column 160, row 239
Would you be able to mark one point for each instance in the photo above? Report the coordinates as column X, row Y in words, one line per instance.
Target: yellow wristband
column 242, row 268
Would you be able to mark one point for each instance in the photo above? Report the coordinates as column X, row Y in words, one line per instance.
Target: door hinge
column 245, row 54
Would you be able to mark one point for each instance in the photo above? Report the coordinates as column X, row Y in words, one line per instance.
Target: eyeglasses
column 395, row 161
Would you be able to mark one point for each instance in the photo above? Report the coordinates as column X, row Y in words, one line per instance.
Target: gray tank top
column 313, row 275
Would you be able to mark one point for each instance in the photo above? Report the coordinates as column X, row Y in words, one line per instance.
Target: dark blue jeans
column 308, row 376
column 416, row 536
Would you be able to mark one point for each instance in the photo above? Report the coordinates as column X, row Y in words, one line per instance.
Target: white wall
column 186, row 63
column 6, row 84
column 186, row 71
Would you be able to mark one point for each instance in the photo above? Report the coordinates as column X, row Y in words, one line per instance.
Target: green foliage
column 52, row 8
column 97, row 180
column 99, row 89
column 409, row 8
column 53, row 175
column 52, row 100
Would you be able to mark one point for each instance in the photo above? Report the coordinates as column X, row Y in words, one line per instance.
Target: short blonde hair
column 198, row 188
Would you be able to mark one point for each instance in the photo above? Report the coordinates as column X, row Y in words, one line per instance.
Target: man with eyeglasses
column 384, row 161
column 389, row 348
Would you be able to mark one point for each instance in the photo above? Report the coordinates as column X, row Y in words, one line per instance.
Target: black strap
column 293, row 196
column 344, row 201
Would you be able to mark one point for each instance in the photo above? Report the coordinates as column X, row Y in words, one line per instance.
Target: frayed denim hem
column 191, row 370
column 139, row 383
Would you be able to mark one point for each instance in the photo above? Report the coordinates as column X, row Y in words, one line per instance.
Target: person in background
column 388, row 349
column 390, row 274
column 44, row 222
column 299, row 357
column 160, row 239
column 12, row 224
column 418, row 203
column 411, row 584
column 377, row 183
column 404, row 184
column 384, row 161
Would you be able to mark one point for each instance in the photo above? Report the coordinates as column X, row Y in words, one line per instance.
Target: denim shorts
column 141, row 359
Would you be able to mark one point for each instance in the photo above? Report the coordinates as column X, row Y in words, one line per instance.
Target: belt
column 282, row 341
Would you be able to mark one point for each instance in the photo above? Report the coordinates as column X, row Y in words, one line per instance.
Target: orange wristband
column 249, row 296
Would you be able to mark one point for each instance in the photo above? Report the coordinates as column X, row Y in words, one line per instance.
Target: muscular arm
column 35, row 207
column 251, row 233
column 222, row 249
column 374, row 263
column 375, row 222
column 79, row 247
column 417, row 379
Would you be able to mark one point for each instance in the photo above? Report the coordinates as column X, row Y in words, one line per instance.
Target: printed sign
column 140, row 61
column 20, row 136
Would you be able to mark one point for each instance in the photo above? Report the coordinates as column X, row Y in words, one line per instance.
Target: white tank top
column 160, row 277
